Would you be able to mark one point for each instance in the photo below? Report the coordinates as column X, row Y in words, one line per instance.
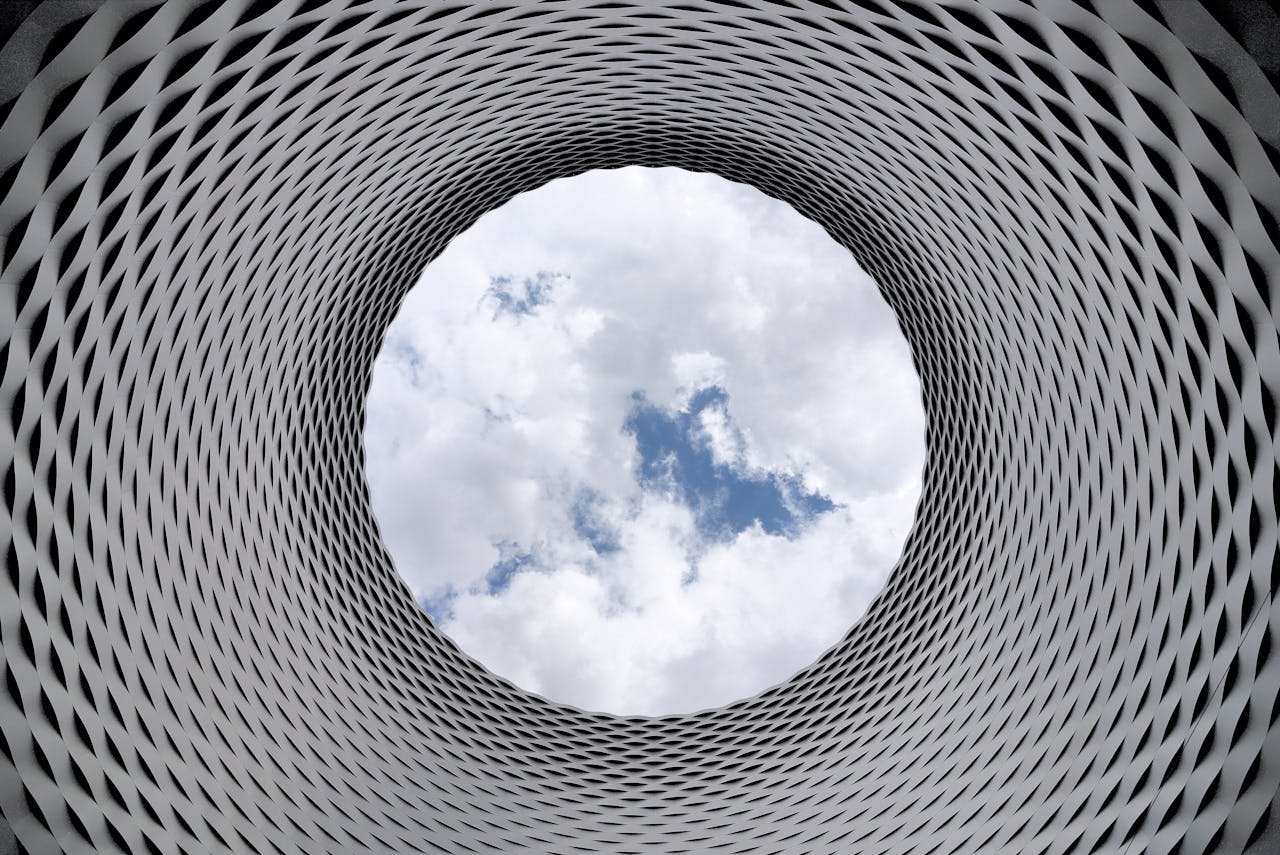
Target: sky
column 644, row 441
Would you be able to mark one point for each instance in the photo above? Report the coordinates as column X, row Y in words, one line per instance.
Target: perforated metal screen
column 211, row 212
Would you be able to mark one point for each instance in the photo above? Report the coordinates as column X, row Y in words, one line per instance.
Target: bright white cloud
column 504, row 444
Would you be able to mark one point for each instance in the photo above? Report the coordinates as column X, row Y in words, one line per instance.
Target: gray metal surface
column 211, row 212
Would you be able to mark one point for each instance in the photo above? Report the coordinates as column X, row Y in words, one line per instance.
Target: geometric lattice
column 212, row 210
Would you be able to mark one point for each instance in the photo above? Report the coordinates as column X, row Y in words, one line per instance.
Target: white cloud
column 490, row 430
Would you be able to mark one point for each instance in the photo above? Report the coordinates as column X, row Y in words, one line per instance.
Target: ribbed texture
column 211, row 212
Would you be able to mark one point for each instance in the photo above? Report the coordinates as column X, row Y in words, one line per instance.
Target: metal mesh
column 211, row 212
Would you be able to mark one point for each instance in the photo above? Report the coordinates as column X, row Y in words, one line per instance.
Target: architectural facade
column 210, row 212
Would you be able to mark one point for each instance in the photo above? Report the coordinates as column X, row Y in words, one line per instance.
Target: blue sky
column 521, row 295
column 675, row 457
column 675, row 454
column 644, row 441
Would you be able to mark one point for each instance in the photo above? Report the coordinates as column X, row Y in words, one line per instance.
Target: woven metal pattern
column 211, row 212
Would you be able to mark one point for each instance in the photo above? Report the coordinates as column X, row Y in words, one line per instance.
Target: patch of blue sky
column 675, row 454
column 587, row 524
column 521, row 297
column 440, row 605
column 513, row 559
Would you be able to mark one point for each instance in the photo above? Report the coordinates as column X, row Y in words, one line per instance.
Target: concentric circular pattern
column 211, row 212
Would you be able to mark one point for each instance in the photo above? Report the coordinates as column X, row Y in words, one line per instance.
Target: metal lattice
column 211, row 212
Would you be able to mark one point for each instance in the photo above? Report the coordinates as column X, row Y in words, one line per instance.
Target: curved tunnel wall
column 211, row 212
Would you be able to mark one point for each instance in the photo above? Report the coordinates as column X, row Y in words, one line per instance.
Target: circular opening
column 644, row 441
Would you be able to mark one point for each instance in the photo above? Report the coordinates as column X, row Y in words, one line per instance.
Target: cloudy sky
column 644, row 441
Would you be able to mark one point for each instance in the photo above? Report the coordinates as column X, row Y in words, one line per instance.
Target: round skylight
column 644, row 441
